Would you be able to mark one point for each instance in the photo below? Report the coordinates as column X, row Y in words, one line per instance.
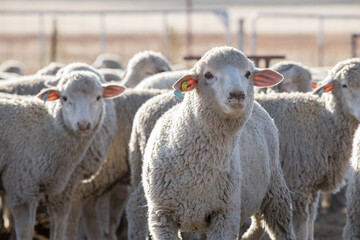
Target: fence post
column 54, row 41
column 42, row 39
column 241, row 35
column 102, row 33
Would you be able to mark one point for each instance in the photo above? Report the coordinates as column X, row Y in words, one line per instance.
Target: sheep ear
column 48, row 95
column 112, row 90
column 186, row 84
column 325, row 86
column 266, row 77
column 52, row 82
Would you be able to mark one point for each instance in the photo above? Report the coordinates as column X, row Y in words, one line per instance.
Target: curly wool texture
column 24, row 85
column 352, row 229
column 315, row 142
column 144, row 64
column 186, row 124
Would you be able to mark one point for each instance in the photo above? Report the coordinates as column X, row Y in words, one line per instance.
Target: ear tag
column 321, row 91
column 45, row 97
column 185, row 86
column 178, row 95
column 188, row 85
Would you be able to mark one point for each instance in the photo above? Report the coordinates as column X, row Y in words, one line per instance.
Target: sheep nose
column 83, row 125
column 237, row 94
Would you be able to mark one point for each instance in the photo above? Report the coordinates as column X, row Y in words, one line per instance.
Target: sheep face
column 81, row 97
column 225, row 77
column 350, row 97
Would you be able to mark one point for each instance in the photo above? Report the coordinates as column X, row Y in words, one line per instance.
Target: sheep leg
column 276, row 208
column 301, row 215
column 24, row 219
column 117, row 205
column 162, row 227
column 351, row 229
column 256, row 230
column 136, row 210
column 91, row 220
column 72, row 225
column 226, row 226
column 313, row 214
column 103, row 213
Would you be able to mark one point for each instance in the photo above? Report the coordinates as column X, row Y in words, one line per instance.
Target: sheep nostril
column 237, row 94
column 83, row 125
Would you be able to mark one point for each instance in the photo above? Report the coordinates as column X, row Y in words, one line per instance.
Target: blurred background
column 314, row 32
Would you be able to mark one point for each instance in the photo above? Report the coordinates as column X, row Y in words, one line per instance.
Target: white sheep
column 297, row 78
column 164, row 80
column 51, row 69
column 25, row 85
column 115, row 169
column 12, row 66
column 216, row 146
column 144, row 64
column 108, row 60
column 315, row 138
column 43, row 143
column 352, row 226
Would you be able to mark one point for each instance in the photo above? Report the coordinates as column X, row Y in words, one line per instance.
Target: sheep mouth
column 84, row 133
column 236, row 103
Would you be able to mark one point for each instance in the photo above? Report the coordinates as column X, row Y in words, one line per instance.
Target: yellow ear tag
column 185, row 86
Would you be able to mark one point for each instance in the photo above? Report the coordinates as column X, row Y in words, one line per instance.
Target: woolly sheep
column 24, row 85
column 351, row 229
column 108, row 60
column 216, row 162
column 50, row 138
column 114, row 169
column 12, row 66
column 297, row 78
column 316, row 137
column 163, row 80
column 59, row 204
column 50, row 69
column 112, row 74
column 144, row 64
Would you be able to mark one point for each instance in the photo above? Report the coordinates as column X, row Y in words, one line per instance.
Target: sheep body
column 187, row 153
column 314, row 152
column 114, row 169
column 43, row 160
column 351, row 229
column 24, row 85
column 12, row 66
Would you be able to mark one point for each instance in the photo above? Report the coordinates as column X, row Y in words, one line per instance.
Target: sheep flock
column 222, row 150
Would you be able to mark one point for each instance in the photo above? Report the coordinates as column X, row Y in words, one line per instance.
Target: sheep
column 108, row 60
column 164, row 80
column 115, row 168
column 112, row 74
column 220, row 183
column 24, row 85
column 43, row 143
column 33, row 84
column 50, row 69
column 315, row 138
column 296, row 78
column 12, row 66
column 351, row 229
column 144, row 64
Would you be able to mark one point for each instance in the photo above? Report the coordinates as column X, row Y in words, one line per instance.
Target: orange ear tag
column 314, row 85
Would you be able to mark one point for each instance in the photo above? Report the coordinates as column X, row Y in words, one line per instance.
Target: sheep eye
column 247, row 75
column 344, row 86
column 98, row 98
column 208, row 75
column 64, row 98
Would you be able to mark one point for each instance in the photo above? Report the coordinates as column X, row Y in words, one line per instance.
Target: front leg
column 225, row 226
column 162, row 227
column 24, row 219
